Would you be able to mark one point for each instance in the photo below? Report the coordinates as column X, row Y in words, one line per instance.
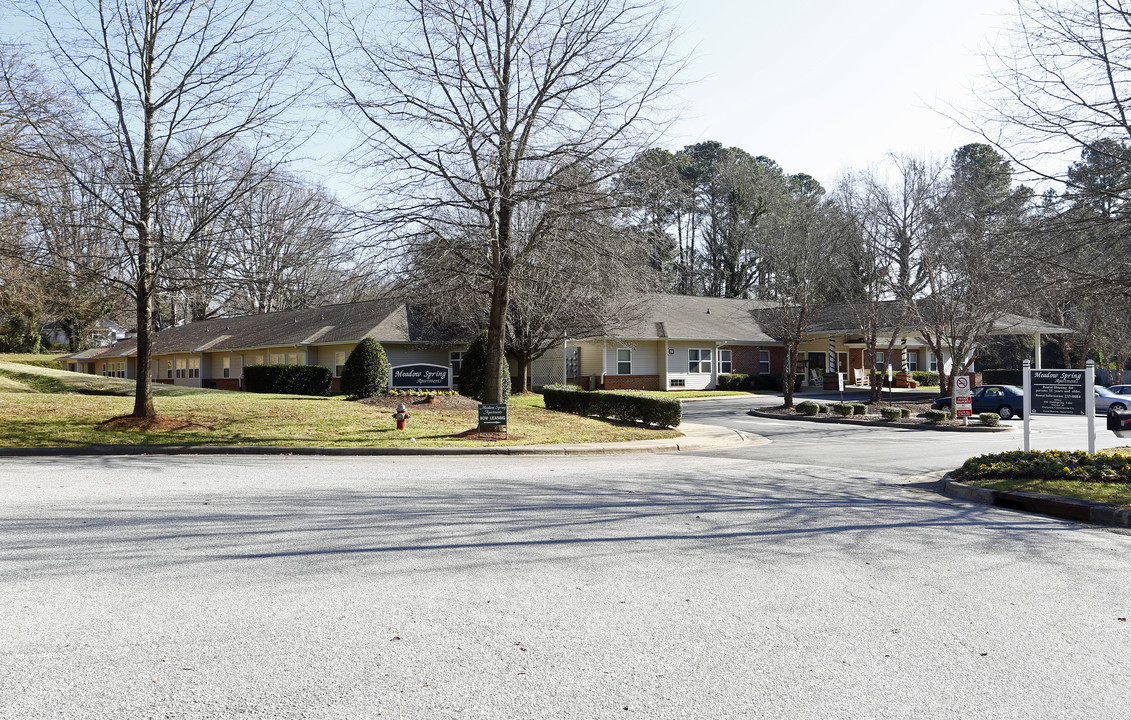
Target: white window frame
column 624, row 367
column 455, row 362
column 932, row 362
column 194, row 367
column 677, row 382
column 226, row 368
column 912, row 360
column 278, row 359
column 763, row 362
column 725, row 361
column 699, row 365
column 181, row 365
column 339, row 363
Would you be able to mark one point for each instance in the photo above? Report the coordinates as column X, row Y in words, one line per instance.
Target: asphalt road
column 807, row 578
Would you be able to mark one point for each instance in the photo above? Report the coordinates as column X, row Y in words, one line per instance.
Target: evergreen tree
column 366, row 372
column 473, row 371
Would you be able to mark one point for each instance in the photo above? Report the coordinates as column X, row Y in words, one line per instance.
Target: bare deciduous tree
column 476, row 108
column 158, row 88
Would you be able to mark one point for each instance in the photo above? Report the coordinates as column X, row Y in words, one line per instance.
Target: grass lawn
column 42, row 407
column 1114, row 493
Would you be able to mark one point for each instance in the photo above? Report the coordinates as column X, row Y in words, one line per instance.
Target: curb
column 1088, row 511
column 884, row 424
column 709, row 438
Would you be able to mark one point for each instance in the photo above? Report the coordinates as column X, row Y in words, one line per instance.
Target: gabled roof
column 685, row 317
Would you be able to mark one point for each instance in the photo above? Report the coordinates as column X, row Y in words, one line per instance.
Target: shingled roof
column 839, row 319
column 388, row 320
column 684, row 317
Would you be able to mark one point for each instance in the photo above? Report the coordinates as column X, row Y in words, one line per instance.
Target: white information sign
column 964, row 406
column 962, row 386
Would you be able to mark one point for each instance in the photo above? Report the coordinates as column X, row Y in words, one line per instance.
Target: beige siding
column 643, row 357
column 590, row 358
column 679, row 366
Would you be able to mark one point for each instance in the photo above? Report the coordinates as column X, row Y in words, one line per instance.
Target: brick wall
column 744, row 359
column 632, row 382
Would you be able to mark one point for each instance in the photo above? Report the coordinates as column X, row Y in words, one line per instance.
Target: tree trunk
column 496, row 342
column 143, row 394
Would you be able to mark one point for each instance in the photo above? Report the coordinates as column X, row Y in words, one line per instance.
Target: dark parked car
column 1006, row 400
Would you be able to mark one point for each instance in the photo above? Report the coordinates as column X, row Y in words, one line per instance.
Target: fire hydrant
column 400, row 416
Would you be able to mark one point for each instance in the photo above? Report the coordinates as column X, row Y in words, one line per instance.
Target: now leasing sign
column 420, row 376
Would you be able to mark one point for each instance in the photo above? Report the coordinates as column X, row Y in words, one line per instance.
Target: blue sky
column 821, row 85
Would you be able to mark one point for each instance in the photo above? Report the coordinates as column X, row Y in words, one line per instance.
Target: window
column 169, row 368
column 181, row 365
column 880, row 360
column 724, row 362
column 455, row 359
column 292, row 358
column 932, row 363
column 912, row 360
column 227, row 367
column 114, row 369
column 699, row 360
column 278, row 358
column 624, row 361
column 339, row 363
column 194, row 367
column 764, row 362
column 677, row 382
column 258, row 359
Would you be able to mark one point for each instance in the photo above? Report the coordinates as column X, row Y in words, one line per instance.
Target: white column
column 1037, row 351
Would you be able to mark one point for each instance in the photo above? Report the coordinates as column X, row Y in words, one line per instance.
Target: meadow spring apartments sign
column 420, row 376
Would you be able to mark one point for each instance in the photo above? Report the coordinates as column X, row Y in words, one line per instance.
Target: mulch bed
column 917, row 411
column 413, row 402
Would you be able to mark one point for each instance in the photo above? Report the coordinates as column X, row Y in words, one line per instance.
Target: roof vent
column 294, row 319
column 708, row 311
column 321, row 317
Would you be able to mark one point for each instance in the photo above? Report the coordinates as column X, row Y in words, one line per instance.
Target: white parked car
column 1107, row 400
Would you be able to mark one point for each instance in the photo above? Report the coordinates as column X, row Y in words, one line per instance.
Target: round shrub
column 473, row 371
column 859, row 409
column 890, row 414
column 991, row 419
column 937, row 416
column 808, row 408
column 905, row 412
column 822, row 408
column 842, row 409
column 366, row 372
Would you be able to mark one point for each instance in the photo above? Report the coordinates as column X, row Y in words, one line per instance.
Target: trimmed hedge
column 937, row 416
column 991, row 419
column 925, row 377
column 734, row 381
column 288, row 379
column 366, row 372
column 1047, row 465
column 1003, row 376
column 890, row 414
column 859, row 409
column 842, row 409
column 905, row 412
column 623, row 406
column 767, row 381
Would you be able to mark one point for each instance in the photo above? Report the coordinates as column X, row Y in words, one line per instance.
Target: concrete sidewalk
column 695, row 437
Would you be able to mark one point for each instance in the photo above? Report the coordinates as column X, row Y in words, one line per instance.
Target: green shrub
column 808, row 407
column 1047, row 465
column 366, row 372
column 1002, row 376
column 937, row 416
column 767, row 381
column 623, row 406
column 923, row 377
column 288, row 379
column 51, row 363
column 473, row 371
column 733, row 381
column 842, row 409
column 905, row 412
column 890, row 414
column 991, row 419
column 859, row 409
column 823, row 408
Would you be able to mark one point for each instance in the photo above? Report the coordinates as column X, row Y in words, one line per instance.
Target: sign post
column 963, row 398
column 1061, row 392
